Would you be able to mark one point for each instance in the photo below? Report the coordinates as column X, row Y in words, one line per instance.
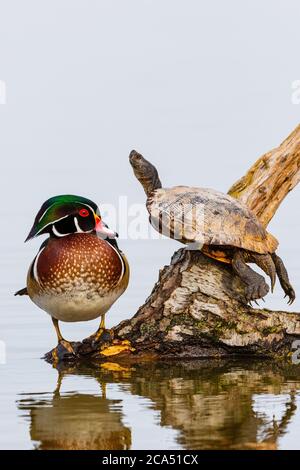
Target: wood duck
column 79, row 271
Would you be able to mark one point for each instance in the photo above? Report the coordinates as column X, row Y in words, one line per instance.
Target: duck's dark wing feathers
column 22, row 291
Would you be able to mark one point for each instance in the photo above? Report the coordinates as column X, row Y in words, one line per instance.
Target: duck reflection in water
column 76, row 421
column 211, row 405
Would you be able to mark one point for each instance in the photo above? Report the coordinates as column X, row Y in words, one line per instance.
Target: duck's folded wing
column 22, row 291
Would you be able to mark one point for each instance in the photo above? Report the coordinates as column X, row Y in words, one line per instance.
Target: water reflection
column 76, row 420
column 221, row 405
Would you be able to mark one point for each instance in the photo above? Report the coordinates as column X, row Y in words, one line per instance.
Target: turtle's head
column 145, row 172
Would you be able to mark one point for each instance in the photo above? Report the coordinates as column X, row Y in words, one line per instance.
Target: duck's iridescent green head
column 62, row 215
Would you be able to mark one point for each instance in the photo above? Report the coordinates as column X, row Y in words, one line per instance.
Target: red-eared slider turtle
column 222, row 227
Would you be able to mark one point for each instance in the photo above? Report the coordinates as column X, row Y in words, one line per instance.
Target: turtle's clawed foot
column 255, row 284
column 289, row 292
column 284, row 278
column 63, row 352
column 257, row 290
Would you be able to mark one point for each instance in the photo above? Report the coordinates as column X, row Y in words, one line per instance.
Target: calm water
column 192, row 405
column 77, row 102
column 198, row 404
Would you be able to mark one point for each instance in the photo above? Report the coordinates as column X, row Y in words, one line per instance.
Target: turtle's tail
column 266, row 263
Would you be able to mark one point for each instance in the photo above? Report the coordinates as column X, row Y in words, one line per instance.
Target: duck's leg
column 256, row 286
column 64, row 347
column 102, row 323
column 284, row 278
column 96, row 336
column 102, row 334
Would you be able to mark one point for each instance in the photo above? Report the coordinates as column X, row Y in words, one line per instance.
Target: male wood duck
column 79, row 271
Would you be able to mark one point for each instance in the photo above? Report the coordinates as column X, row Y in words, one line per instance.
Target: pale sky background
column 201, row 88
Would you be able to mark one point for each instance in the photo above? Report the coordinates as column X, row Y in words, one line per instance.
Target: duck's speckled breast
column 79, row 258
column 76, row 277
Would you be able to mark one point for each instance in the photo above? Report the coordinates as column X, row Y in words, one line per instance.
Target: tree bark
column 197, row 308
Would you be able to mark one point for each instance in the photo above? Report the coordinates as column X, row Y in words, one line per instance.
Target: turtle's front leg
column 256, row 286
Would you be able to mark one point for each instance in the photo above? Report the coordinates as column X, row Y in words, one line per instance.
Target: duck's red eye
column 84, row 213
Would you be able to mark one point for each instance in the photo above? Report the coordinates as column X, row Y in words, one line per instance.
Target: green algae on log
column 197, row 309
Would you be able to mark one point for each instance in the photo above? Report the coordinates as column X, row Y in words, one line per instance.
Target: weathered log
column 270, row 179
column 197, row 308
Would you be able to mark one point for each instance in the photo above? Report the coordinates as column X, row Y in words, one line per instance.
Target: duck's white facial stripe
column 35, row 271
column 79, row 230
column 48, row 208
column 57, row 233
column 50, row 223
column 45, row 212
column 77, row 226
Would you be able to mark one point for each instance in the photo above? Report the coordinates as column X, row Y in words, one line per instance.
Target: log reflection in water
column 211, row 404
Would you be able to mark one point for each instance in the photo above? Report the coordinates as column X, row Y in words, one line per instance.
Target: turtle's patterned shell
column 208, row 217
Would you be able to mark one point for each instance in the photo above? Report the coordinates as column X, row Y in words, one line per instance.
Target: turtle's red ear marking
column 84, row 213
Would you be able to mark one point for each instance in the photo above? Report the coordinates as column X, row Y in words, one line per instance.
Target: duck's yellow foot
column 63, row 352
column 117, row 347
column 101, row 336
